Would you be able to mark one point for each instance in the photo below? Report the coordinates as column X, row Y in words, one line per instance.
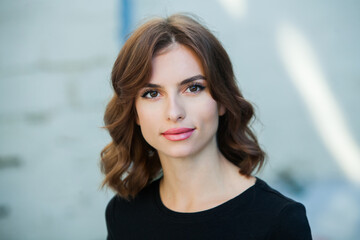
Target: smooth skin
column 197, row 176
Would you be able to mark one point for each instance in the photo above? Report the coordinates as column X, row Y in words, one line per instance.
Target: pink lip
column 178, row 134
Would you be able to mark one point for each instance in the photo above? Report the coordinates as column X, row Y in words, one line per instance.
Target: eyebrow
column 183, row 82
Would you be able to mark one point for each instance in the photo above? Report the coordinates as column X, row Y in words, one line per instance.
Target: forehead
column 176, row 62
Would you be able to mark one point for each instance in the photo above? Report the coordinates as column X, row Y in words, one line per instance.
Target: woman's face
column 175, row 111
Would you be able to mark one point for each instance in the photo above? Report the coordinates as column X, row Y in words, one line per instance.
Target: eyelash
column 148, row 92
column 198, row 86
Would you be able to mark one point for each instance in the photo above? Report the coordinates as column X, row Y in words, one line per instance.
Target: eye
column 150, row 94
column 194, row 88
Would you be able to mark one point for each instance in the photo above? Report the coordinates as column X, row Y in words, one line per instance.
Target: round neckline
column 217, row 211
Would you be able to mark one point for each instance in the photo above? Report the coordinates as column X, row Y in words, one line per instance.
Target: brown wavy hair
column 129, row 162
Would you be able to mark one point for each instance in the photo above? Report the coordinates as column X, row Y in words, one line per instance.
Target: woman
column 182, row 152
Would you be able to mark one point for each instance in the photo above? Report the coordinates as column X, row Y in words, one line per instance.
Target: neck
column 199, row 182
column 187, row 175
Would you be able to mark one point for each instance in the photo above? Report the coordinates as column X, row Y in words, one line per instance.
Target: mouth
column 178, row 134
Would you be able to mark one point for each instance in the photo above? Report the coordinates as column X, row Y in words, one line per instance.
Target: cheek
column 143, row 116
column 146, row 119
column 208, row 112
column 141, row 112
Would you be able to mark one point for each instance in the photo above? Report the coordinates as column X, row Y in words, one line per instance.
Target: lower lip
column 179, row 136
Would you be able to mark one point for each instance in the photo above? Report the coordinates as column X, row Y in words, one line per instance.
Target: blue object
column 125, row 19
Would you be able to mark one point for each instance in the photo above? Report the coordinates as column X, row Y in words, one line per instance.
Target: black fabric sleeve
column 292, row 224
column 109, row 217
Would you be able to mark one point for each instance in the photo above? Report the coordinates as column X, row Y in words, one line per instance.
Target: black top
column 260, row 212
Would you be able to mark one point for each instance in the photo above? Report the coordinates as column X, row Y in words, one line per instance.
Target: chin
column 179, row 152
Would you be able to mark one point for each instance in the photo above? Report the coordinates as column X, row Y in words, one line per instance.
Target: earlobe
column 222, row 110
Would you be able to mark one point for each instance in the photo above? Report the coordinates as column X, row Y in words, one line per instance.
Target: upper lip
column 178, row 130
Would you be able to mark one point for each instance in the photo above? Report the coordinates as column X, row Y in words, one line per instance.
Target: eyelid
column 200, row 85
column 146, row 91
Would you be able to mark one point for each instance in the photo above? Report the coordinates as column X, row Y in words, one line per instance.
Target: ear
column 221, row 109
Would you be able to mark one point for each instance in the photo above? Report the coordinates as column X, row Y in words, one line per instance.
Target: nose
column 175, row 109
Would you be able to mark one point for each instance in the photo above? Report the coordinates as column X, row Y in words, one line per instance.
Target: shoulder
column 118, row 204
column 122, row 214
column 285, row 217
column 267, row 198
column 271, row 198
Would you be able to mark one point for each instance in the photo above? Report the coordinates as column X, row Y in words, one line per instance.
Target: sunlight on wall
column 305, row 72
column 236, row 8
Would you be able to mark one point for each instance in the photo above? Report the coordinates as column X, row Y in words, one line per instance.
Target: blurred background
column 298, row 61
